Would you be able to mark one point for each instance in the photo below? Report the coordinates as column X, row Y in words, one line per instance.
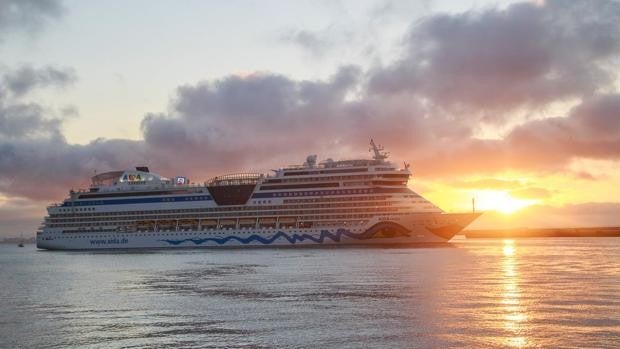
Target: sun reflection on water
column 514, row 311
column 509, row 249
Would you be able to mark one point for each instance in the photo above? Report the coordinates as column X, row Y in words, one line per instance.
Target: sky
column 515, row 104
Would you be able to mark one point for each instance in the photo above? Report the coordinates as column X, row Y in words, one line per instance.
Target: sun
column 499, row 200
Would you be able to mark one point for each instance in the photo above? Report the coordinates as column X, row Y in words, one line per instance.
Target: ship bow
column 446, row 225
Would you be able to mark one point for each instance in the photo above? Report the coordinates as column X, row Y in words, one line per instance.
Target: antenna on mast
column 380, row 155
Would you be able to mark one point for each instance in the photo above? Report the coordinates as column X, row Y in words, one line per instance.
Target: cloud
column 598, row 117
column 23, row 80
column 46, row 168
column 584, row 175
column 487, row 183
column 592, row 214
column 501, row 59
column 589, row 130
column 531, row 193
column 18, row 118
column 265, row 120
column 36, row 161
column 28, row 15
column 21, row 120
column 230, row 115
column 243, row 120
column 317, row 43
column 361, row 31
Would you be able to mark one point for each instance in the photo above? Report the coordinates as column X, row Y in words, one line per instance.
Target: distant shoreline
column 16, row 240
column 545, row 232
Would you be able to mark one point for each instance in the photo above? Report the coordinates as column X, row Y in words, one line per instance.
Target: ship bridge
column 139, row 176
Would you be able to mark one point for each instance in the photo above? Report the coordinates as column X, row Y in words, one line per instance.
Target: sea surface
column 483, row 293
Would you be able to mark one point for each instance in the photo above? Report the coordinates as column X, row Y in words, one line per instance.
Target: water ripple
column 474, row 293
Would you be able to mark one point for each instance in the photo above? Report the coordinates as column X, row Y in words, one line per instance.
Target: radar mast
column 380, row 155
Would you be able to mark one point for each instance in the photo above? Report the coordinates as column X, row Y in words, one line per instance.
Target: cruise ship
column 362, row 201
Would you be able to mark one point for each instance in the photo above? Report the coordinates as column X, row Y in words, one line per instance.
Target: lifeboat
column 247, row 223
column 288, row 222
column 188, row 224
column 228, row 223
column 145, row 225
column 208, row 223
column 267, row 223
column 167, row 224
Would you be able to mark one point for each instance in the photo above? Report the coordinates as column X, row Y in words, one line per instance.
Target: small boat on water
column 21, row 244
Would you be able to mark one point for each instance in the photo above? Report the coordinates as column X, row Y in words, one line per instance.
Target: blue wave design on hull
column 267, row 241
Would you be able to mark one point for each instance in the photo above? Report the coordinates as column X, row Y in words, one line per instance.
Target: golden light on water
column 514, row 312
column 509, row 248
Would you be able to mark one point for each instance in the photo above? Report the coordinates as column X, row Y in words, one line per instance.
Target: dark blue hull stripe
column 269, row 240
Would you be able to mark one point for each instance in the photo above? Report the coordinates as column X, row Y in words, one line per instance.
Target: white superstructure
column 334, row 202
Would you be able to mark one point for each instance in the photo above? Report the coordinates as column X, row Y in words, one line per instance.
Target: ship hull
column 405, row 230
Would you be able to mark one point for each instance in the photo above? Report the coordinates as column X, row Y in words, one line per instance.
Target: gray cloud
column 598, row 117
column 589, row 130
column 259, row 96
column 262, row 119
column 28, row 15
column 355, row 30
column 316, row 43
column 311, row 116
column 45, row 168
column 27, row 78
column 20, row 120
column 496, row 60
column 33, row 149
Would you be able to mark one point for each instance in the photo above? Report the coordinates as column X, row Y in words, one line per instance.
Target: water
column 475, row 293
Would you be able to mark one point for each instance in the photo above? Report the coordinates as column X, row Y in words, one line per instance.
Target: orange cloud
column 487, row 183
column 531, row 193
column 593, row 214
